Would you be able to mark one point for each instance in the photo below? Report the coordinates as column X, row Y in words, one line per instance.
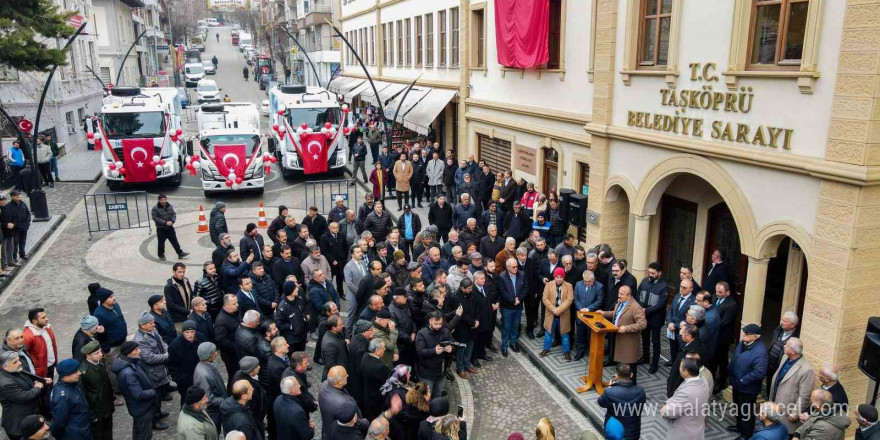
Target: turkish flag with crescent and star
column 136, row 156
column 313, row 152
column 230, row 158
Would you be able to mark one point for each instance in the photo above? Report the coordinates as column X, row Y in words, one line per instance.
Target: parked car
column 265, row 79
column 209, row 68
column 264, row 107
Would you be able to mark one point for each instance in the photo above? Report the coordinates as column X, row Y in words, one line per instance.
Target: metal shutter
column 496, row 153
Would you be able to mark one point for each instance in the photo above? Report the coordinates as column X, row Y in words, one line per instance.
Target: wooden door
column 722, row 233
column 678, row 224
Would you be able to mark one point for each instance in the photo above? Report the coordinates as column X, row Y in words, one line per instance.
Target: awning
column 337, row 84
column 420, row 117
column 357, row 90
column 386, row 92
column 414, row 97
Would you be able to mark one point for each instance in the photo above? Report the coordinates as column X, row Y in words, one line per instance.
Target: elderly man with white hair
column 829, row 376
column 505, row 254
column 247, row 336
column 792, row 383
column 291, row 420
column 788, row 328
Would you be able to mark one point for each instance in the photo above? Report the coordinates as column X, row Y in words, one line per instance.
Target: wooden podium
column 598, row 326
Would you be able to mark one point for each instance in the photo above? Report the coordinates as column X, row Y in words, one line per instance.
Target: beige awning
column 386, row 92
column 339, row 85
column 357, row 90
column 412, row 98
column 420, row 117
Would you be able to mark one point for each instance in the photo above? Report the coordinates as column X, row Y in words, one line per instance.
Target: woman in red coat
column 379, row 178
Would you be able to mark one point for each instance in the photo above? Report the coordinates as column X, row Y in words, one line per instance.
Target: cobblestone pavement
column 509, row 395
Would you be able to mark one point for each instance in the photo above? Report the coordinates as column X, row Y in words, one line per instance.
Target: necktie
column 513, row 282
column 681, row 303
column 361, row 267
column 718, row 303
column 619, row 311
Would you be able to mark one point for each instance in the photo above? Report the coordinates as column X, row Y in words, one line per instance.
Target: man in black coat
column 218, row 256
column 508, row 193
column 406, row 330
column 335, row 401
column 624, row 400
column 287, row 265
column 224, row 333
column 299, row 364
column 486, row 295
column 178, row 295
column 332, row 245
column 466, row 328
column 290, row 417
column 374, row 373
column 19, row 394
column 652, row 297
column 315, row 223
column 619, row 277
column 247, row 336
column 334, row 350
column 290, row 316
column 440, row 215
column 183, row 357
column 717, row 272
column 217, row 223
column 236, row 415
column 676, row 313
column 360, row 346
column 271, row 380
column 88, row 331
column 251, row 243
column 727, row 310
column 690, row 344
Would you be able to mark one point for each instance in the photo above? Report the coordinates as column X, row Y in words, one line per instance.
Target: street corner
column 129, row 255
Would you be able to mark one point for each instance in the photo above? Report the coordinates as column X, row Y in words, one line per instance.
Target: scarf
column 398, row 379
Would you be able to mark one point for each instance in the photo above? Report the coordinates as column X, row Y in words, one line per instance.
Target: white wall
column 573, row 94
column 705, row 37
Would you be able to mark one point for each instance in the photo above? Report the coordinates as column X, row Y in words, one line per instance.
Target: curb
column 37, row 245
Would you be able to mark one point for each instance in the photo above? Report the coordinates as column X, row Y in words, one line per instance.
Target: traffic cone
column 203, row 223
column 261, row 221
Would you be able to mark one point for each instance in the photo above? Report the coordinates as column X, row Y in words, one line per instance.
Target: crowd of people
column 397, row 310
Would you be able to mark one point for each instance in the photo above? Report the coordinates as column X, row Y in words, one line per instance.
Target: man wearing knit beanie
column 208, row 379
column 34, row 427
column 89, row 328
column 194, row 422
column 183, row 357
column 137, row 389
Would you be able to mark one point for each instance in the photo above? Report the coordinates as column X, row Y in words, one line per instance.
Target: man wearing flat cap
column 208, row 379
column 747, row 369
column 154, row 356
column 98, row 391
column 70, row 411
column 250, row 369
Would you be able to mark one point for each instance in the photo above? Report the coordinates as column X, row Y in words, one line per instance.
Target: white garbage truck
column 139, row 132
column 227, row 153
column 307, row 135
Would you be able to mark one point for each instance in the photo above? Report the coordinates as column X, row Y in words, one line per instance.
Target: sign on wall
column 709, row 94
column 526, row 159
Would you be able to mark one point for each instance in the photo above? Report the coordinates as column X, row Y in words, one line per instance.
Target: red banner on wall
column 521, row 31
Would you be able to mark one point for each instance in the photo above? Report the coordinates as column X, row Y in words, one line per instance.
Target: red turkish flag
column 136, row 154
column 313, row 152
column 230, row 158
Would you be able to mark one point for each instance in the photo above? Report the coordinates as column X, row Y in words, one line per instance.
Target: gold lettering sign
column 525, row 159
column 706, row 98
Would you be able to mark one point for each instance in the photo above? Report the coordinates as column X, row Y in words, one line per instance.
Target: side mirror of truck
column 271, row 145
column 189, row 147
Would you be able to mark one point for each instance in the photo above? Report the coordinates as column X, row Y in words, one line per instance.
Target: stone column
column 756, row 281
column 640, row 244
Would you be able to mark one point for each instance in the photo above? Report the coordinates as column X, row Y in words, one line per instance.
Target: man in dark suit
column 727, row 310
column 333, row 348
column 619, row 277
column 717, row 272
column 623, row 400
column 508, row 192
column 676, row 313
column 374, row 373
column 687, row 273
column 690, row 344
column 788, row 328
column 652, row 296
column 513, row 287
column 332, row 246
column 828, row 377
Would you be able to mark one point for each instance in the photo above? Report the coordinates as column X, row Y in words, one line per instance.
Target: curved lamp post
column 125, row 58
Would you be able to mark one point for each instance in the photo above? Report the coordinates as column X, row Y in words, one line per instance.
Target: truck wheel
column 114, row 185
column 286, row 174
column 175, row 181
column 261, row 190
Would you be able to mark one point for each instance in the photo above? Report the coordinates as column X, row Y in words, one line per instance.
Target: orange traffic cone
column 261, row 221
column 203, row 223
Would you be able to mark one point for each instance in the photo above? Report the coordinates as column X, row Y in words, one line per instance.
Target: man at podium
column 629, row 317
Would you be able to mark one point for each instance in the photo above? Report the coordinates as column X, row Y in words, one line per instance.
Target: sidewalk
column 80, row 164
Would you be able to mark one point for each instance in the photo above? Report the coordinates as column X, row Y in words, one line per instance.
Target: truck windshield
column 249, row 141
column 315, row 117
column 207, row 88
column 134, row 125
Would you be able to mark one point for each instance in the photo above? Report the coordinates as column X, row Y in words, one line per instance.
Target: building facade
column 73, row 94
column 746, row 126
column 116, row 28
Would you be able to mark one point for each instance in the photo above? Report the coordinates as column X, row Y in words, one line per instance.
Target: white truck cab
column 193, row 72
column 304, row 108
column 146, row 122
column 228, row 141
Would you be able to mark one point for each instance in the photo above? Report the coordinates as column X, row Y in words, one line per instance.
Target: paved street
column 509, row 396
